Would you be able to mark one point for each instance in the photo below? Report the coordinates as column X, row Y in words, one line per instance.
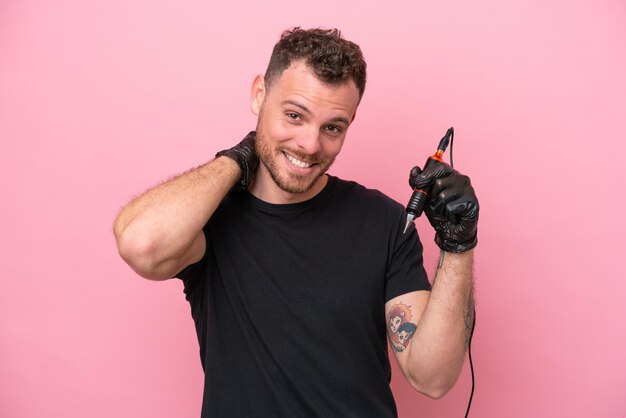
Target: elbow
column 435, row 386
column 435, row 376
column 138, row 251
column 433, row 390
column 437, row 392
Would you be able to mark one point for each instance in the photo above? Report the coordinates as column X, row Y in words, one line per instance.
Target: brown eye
column 333, row 129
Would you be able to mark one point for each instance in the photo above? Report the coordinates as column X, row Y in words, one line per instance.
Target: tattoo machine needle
column 415, row 207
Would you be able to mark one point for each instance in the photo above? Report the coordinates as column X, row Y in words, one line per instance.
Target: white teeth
column 296, row 162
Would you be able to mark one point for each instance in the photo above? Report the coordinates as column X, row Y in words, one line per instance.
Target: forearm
column 437, row 350
column 161, row 225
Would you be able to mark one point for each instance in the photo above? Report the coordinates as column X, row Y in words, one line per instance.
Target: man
column 290, row 272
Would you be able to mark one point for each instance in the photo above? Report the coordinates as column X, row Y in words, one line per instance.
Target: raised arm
column 429, row 331
column 160, row 232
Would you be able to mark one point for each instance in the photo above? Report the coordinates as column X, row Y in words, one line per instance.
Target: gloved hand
column 451, row 208
column 245, row 155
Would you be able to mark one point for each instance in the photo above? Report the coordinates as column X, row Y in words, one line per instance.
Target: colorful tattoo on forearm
column 399, row 327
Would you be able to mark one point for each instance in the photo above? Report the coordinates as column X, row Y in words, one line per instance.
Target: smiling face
column 302, row 124
column 394, row 323
column 405, row 332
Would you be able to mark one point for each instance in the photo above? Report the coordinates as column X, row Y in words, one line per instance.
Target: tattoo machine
column 415, row 207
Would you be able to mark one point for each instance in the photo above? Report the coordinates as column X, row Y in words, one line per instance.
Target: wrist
column 465, row 255
column 455, row 247
column 229, row 167
column 244, row 155
column 456, row 262
column 228, row 163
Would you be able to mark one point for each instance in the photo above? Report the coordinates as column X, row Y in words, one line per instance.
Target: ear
column 257, row 94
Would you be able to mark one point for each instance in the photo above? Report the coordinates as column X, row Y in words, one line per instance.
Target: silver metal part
column 409, row 219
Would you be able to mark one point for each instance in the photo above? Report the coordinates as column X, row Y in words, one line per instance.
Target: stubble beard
column 290, row 182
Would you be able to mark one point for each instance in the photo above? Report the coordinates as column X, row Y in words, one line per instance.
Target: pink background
column 101, row 99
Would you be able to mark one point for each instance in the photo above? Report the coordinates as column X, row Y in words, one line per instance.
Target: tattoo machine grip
column 416, row 203
column 415, row 207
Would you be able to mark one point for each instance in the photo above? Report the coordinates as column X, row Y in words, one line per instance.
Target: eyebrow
column 296, row 104
column 306, row 110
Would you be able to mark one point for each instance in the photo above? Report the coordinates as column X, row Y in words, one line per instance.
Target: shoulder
column 352, row 191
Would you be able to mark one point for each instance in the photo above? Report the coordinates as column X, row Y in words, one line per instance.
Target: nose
column 309, row 140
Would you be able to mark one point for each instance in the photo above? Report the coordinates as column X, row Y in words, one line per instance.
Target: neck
column 266, row 189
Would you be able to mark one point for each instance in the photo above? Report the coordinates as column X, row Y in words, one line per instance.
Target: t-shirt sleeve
column 195, row 279
column 405, row 272
column 193, row 275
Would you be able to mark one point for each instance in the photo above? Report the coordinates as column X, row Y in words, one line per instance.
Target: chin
column 296, row 186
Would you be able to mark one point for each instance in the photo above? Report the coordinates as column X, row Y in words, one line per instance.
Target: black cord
column 451, row 146
column 469, row 343
column 469, row 352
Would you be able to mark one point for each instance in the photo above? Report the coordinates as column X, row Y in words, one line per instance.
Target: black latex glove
column 245, row 155
column 451, row 208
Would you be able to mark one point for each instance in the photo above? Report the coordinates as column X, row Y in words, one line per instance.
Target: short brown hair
column 333, row 59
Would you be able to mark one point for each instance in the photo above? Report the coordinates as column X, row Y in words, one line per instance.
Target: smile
column 297, row 162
